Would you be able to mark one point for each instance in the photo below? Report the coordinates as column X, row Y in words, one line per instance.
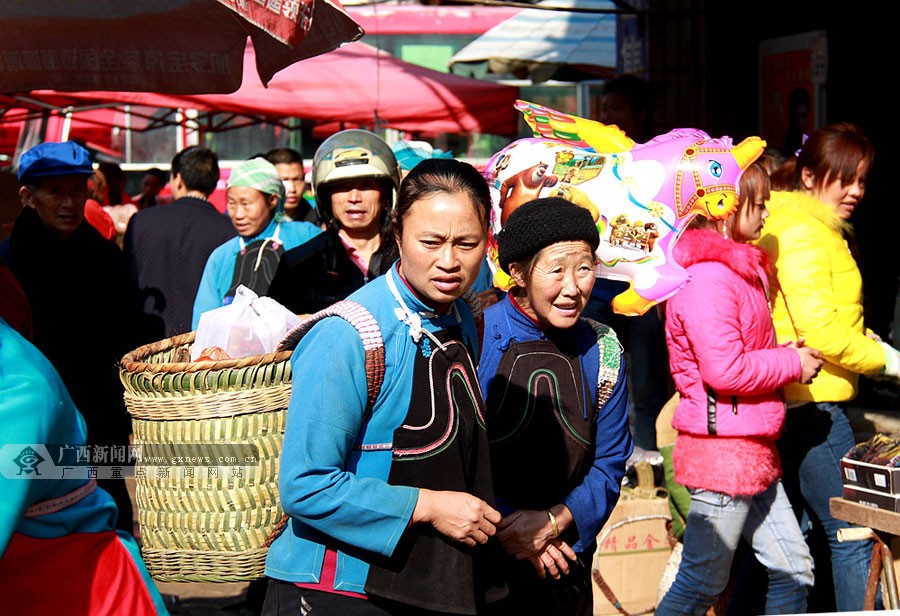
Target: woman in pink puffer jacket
column 729, row 372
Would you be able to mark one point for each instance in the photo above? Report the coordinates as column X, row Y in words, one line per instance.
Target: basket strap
column 59, row 503
column 277, row 530
column 373, row 345
column 610, row 358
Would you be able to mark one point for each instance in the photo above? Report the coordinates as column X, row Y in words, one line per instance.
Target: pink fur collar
column 705, row 245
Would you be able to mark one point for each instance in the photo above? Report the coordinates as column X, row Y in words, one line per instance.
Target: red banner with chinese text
column 285, row 20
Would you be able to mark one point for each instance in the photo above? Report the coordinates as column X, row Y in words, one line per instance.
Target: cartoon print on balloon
column 522, row 187
column 642, row 196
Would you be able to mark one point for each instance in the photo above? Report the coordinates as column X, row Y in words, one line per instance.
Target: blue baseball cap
column 53, row 158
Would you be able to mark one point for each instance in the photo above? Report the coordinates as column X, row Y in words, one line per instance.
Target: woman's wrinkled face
column 844, row 197
column 442, row 245
column 559, row 285
column 250, row 210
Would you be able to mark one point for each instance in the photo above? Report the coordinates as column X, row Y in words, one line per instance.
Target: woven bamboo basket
column 206, row 526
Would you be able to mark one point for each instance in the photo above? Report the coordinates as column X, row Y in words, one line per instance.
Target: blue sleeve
column 35, row 409
column 22, row 403
column 317, row 481
column 593, row 500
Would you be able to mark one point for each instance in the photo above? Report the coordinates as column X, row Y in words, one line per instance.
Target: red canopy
column 92, row 127
column 354, row 85
column 357, row 84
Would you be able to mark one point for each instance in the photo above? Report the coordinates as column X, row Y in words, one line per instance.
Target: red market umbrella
column 164, row 46
column 358, row 84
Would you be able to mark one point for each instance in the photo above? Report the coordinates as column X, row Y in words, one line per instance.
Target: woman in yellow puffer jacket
column 818, row 299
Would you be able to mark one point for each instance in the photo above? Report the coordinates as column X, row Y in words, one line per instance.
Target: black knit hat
column 539, row 223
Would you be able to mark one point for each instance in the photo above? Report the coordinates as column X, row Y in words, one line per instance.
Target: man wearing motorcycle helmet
column 355, row 179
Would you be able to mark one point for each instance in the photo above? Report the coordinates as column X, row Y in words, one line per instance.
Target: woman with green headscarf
column 256, row 208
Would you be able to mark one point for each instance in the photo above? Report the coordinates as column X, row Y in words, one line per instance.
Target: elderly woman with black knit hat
column 256, row 207
column 556, row 409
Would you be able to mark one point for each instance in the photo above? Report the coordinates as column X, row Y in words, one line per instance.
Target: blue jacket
column 36, row 410
column 591, row 502
column 334, row 464
column 219, row 270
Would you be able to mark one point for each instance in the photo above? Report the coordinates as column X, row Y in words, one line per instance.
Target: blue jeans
column 815, row 438
column 715, row 524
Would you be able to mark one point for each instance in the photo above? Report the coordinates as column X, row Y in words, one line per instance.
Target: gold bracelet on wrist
column 553, row 523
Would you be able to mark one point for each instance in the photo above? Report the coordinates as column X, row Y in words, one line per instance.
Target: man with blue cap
column 58, row 202
column 85, row 309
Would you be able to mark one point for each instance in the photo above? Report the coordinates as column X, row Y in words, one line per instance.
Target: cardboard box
column 872, row 498
column 875, row 477
column 632, row 551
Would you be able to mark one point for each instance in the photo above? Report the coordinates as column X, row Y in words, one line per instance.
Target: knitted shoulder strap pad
column 368, row 329
column 610, row 358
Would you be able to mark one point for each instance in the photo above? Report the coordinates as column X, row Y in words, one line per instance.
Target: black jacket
column 316, row 274
column 86, row 316
column 168, row 246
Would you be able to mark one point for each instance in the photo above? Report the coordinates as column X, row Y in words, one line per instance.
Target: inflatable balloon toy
column 642, row 196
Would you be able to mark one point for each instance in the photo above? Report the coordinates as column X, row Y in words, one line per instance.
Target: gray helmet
column 353, row 154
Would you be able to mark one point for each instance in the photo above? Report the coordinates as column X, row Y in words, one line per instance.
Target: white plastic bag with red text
column 249, row 325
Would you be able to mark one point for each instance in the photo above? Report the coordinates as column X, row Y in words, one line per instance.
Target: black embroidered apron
column 540, row 424
column 255, row 266
column 442, row 445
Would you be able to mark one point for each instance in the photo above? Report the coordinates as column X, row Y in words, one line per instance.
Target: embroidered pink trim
column 61, row 502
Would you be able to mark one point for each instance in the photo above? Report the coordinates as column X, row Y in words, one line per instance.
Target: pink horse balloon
column 641, row 196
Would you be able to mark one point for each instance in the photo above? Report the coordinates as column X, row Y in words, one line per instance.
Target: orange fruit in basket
column 213, row 353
